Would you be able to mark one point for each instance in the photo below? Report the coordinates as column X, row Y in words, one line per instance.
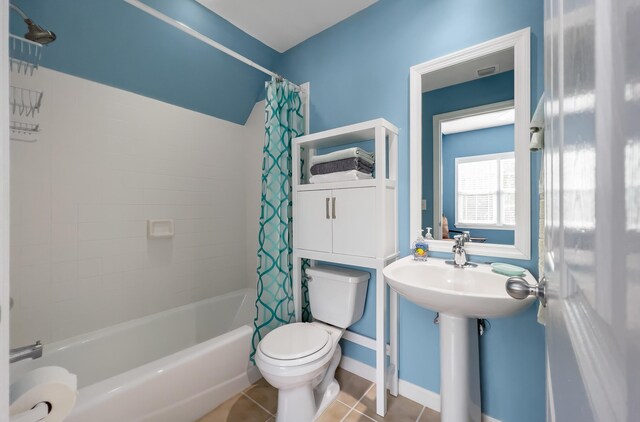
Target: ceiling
column 467, row 71
column 282, row 24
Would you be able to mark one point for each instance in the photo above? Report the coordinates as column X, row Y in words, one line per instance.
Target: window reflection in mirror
column 468, row 170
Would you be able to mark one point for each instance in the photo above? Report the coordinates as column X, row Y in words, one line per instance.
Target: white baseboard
column 411, row 391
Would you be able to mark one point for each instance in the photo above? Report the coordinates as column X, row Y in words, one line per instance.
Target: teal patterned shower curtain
column 284, row 120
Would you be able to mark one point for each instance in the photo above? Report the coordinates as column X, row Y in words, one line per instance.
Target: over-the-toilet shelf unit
column 353, row 223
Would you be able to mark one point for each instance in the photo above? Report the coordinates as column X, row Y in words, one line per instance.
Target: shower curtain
column 284, row 120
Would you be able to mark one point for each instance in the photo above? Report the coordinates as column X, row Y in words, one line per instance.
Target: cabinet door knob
column 326, row 207
column 333, row 207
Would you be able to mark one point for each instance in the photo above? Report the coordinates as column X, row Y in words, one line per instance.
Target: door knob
column 518, row 288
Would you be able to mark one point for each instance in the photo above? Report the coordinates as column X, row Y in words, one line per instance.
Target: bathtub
column 172, row 366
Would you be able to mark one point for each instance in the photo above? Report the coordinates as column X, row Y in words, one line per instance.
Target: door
column 354, row 221
column 313, row 221
column 4, row 210
column 592, row 227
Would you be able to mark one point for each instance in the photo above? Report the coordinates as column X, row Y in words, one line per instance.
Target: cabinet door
column 313, row 221
column 354, row 222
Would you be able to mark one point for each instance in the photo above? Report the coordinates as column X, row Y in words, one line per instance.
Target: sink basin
column 460, row 295
column 470, row 292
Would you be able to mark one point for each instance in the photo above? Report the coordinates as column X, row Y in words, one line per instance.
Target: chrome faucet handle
column 461, row 239
column 458, row 243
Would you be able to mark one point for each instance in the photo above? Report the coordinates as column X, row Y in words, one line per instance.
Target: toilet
column 300, row 359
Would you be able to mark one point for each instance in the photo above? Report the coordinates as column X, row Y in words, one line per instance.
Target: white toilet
column 300, row 359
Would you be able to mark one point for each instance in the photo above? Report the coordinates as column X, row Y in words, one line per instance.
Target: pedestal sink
column 461, row 296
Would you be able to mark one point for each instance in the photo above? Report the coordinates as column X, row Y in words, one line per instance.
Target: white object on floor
column 354, row 152
column 300, row 359
column 340, row 176
column 51, row 385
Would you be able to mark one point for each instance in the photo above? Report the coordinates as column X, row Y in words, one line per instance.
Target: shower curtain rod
column 184, row 28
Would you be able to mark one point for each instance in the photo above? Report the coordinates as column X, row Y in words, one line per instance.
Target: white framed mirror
column 469, row 148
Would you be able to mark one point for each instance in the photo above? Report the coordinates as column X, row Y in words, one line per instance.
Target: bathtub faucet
column 33, row 351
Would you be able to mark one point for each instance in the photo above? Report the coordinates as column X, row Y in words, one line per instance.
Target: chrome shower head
column 35, row 32
column 38, row 34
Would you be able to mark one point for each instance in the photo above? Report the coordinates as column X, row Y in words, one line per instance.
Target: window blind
column 485, row 190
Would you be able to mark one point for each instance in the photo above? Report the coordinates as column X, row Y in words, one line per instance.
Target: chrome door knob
column 518, row 288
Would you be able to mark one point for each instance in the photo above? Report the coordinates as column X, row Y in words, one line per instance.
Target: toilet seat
column 294, row 341
column 295, row 344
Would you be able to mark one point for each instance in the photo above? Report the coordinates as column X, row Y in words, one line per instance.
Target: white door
column 313, row 221
column 354, row 221
column 592, row 160
column 4, row 210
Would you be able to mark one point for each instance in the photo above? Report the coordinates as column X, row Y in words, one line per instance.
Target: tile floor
column 355, row 403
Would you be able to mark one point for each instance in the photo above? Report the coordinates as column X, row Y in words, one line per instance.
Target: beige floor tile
column 264, row 394
column 399, row 409
column 236, row 409
column 429, row 415
column 355, row 416
column 352, row 387
column 334, row 413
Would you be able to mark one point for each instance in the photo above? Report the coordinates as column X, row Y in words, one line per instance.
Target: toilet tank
column 337, row 295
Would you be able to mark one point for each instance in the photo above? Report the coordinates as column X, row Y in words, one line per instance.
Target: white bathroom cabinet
column 340, row 221
column 352, row 223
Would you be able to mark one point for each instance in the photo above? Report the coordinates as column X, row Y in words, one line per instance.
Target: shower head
column 38, row 34
column 35, row 32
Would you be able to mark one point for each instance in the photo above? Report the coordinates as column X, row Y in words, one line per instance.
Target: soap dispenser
column 428, row 236
column 420, row 248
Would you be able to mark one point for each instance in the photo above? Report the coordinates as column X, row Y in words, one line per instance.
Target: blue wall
column 492, row 140
column 474, row 93
column 114, row 43
column 359, row 70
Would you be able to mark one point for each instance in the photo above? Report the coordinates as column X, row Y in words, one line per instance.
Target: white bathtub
column 172, row 366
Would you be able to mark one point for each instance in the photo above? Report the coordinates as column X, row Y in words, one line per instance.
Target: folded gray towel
column 342, row 165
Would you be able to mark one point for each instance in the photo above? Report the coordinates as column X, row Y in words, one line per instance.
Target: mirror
column 469, row 148
column 467, row 133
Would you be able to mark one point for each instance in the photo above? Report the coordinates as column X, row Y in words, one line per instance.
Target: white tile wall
column 106, row 161
column 253, row 181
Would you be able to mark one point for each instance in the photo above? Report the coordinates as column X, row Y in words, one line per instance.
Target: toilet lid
column 294, row 341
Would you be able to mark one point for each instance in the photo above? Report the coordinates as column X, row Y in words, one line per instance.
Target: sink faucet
column 33, row 351
column 460, row 258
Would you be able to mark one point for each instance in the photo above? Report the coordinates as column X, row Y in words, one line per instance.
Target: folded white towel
column 340, row 176
column 354, row 152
